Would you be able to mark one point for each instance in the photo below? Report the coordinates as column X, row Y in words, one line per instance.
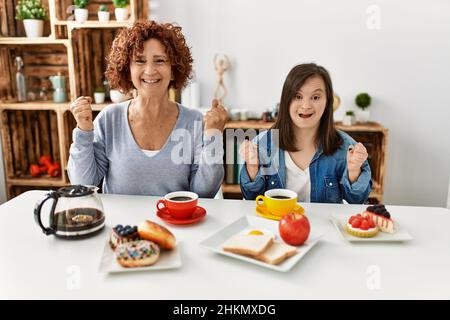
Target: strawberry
column 364, row 225
column 371, row 223
column 356, row 223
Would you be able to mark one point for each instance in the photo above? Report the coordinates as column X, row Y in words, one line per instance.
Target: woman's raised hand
column 82, row 111
column 249, row 152
column 356, row 155
column 216, row 117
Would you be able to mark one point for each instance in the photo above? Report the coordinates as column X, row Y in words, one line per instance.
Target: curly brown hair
column 130, row 41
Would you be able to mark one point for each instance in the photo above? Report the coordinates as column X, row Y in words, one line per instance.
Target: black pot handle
column 37, row 211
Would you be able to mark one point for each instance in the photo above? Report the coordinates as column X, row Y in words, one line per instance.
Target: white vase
column 363, row 115
column 117, row 96
column 99, row 97
column 121, row 14
column 348, row 120
column 33, row 27
column 103, row 16
column 81, row 15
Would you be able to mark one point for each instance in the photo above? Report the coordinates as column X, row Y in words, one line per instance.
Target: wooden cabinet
column 75, row 50
column 371, row 134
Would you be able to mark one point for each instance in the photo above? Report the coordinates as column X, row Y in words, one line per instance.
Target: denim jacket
column 328, row 174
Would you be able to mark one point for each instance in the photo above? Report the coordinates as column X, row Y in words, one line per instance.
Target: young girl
column 303, row 151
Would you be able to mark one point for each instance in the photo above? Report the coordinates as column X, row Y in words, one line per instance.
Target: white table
column 33, row 265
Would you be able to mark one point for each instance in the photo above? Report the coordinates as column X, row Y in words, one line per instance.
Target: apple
column 294, row 229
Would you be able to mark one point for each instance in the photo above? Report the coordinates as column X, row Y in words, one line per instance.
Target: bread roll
column 152, row 231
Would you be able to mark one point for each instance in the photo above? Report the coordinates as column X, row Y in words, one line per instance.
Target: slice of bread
column 251, row 245
column 277, row 253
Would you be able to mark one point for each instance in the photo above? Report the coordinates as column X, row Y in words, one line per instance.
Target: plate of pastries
column 145, row 247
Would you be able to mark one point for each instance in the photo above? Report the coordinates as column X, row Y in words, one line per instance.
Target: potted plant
column 81, row 13
column 99, row 95
column 121, row 11
column 349, row 118
column 33, row 14
column 103, row 13
column 363, row 101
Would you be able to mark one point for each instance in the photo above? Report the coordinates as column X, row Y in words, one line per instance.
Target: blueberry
column 378, row 210
column 387, row 215
column 127, row 227
column 370, row 208
column 122, row 233
column 135, row 229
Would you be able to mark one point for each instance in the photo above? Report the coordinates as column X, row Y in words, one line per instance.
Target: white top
column 150, row 153
column 34, row 265
column 297, row 179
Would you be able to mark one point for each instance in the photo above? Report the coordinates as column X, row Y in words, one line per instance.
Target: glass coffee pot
column 76, row 212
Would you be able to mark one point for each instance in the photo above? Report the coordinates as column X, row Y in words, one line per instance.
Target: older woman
column 135, row 145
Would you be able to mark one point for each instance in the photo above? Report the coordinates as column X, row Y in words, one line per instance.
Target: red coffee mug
column 179, row 204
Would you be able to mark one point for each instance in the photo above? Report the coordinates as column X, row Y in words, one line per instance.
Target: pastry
column 121, row 234
column 152, row 231
column 381, row 217
column 360, row 226
column 138, row 253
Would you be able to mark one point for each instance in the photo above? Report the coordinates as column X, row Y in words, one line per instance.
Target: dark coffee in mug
column 280, row 197
column 181, row 199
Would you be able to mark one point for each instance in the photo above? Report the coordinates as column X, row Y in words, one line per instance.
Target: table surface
column 37, row 266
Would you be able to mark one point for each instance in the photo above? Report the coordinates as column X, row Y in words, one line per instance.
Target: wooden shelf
column 43, row 181
column 362, row 126
column 25, row 41
column 34, row 105
column 249, row 124
column 231, row 188
column 236, row 190
column 259, row 124
column 45, row 105
column 94, row 24
column 371, row 134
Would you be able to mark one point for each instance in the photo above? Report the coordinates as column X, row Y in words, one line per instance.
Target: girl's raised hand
column 82, row 111
column 356, row 155
column 249, row 152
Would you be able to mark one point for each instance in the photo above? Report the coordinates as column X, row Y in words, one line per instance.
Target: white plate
column 215, row 241
column 167, row 260
column 340, row 220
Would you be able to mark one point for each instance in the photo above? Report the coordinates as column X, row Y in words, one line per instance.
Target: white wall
column 404, row 65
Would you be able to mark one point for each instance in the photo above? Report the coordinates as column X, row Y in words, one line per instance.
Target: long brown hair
column 327, row 137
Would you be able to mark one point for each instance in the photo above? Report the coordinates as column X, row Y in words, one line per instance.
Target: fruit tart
column 121, row 234
column 361, row 226
column 381, row 217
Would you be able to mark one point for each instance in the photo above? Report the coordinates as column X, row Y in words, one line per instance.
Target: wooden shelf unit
column 371, row 134
column 76, row 50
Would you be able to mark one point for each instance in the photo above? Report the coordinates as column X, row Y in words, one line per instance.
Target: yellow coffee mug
column 277, row 201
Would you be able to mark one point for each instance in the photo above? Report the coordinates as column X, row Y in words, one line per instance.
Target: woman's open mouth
column 305, row 115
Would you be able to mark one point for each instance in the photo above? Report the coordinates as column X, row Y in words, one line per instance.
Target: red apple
column 294, row 229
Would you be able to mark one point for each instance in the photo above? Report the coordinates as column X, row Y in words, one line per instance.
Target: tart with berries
column 381, row 217
column 121, row 234
column 361, row 226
